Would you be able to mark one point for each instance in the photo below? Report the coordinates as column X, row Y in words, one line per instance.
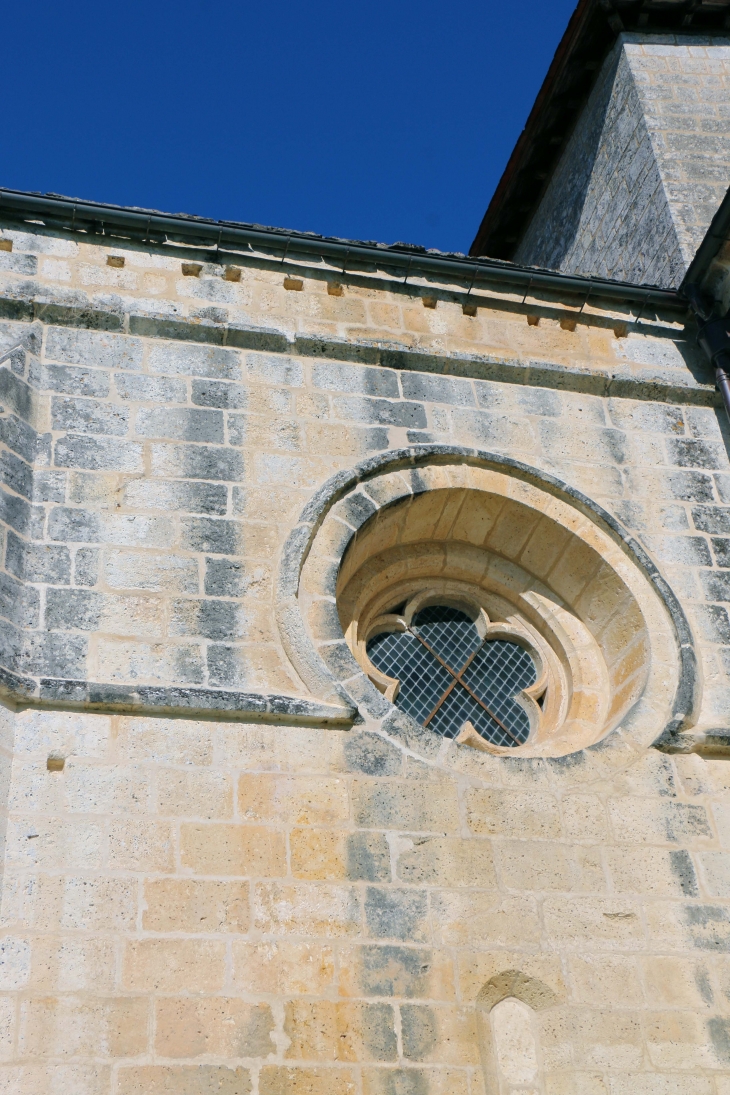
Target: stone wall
column 252, row 899
column 645, row 169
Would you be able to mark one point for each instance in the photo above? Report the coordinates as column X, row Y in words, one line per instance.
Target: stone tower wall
column 645, row 169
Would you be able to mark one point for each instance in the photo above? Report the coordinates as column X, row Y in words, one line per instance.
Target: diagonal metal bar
column 458, row 680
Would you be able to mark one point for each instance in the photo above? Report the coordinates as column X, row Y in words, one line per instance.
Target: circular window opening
column 502, row 622
column 440, row 665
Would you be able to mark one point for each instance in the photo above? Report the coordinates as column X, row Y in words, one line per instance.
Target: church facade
column 365, row 634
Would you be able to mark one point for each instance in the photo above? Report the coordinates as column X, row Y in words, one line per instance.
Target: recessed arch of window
column 484, row 608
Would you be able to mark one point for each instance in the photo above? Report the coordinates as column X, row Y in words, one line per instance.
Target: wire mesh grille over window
column 449, row 675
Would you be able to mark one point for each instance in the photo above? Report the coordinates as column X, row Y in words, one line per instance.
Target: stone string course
column 196, row 904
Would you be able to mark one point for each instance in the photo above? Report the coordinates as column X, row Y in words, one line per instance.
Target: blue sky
column 390, row 120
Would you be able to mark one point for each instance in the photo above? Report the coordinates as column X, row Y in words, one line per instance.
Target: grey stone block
column 101, row 349
column 716, row 585
column 208, row 618
column 183, row 424
column 36, row 530
column 15, row 394
column 438, row 389
column 70, row 525
column 14, row 511
column 184, row 359
column 683, row 550
column 721, row 549
column 197, row 462
column 73, row 609
column 368, row 857
column 395, row 971
column 11, row 638
column 19, row 604
column 16, row 474
column 392, row 913
column 274, row 369
column 356, row 379
column 210, row 534
column 89, row 416
column 713, row 623
column 627, row 414
column 382, row 411
column 72, row 380
column 19, row 436
column 372, row 755
column 696, row 454
column 15, row 263
column 53, row 654
column 713, row 519
column 229, row 577
column 216, row 393
column 38, row 562
column 86, row 567
column 691, row 486
column 150, row 389
column 98, row 454
column 226, row 668
column 419, row 1031
column 199, row 497
column 49, row 486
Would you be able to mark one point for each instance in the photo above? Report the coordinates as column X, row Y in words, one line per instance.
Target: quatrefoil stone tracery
column 448, row 674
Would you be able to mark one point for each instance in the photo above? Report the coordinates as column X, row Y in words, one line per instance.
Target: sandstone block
column 406, row 972
column 136, row 845
column 330, row 855
column 283, row 967
column 89, row 1027
column 164, row 741
column 298, row 801
column 326, row 1030
column 411, row 807
column 275, row 1080
column 173, row 965
column 307, row 908
column 215, row 1025
column 447, row 862
column 247, row 850
column 195, row 905
column 202, row 794
column 483, row 920
column 183, row 1080
column 529, row 814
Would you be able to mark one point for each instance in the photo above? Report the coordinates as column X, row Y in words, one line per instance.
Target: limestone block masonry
column 232, row 866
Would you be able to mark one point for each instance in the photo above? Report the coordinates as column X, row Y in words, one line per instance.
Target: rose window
column 444, row 669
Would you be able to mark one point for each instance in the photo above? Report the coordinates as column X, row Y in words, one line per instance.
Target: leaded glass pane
column 439, row 697
column 422, row 680
column 497, row 673
column 449, row 632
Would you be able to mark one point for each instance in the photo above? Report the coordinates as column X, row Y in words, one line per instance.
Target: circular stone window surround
column 314, row 640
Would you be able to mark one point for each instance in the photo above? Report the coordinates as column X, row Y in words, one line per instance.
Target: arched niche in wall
column 508, row 1026
column 521, row 559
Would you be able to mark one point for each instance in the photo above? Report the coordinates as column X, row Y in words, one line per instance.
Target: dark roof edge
column 716, row 235
column 150, row 226
column 532, row 124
